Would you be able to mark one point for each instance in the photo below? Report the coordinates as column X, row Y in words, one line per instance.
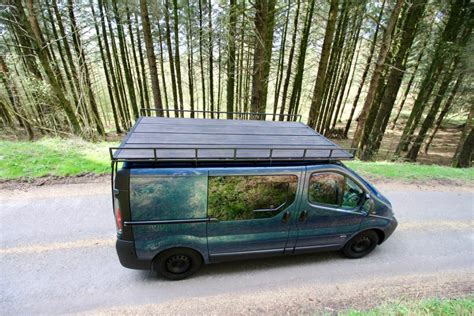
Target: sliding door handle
column 286, row 217
column 303, row 216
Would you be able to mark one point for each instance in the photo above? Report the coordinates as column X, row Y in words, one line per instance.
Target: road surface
column 57, row 256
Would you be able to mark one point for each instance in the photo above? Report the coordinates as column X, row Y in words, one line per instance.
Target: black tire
column 177, row 263
column 361, row 245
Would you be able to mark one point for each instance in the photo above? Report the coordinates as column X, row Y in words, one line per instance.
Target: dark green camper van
column 193, row 191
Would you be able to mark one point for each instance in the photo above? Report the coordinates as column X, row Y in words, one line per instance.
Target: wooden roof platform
column 187, row 139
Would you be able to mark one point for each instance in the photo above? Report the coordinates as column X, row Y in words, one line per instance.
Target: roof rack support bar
column 246, row 115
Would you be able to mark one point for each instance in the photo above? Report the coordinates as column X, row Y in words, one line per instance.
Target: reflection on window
column 334, row 189
column 168, row 197
column 250, row 197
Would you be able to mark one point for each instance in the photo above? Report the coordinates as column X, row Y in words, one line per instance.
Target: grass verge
column 52, row 156
column 462, row 306
column 70, row 157
column 410, row 171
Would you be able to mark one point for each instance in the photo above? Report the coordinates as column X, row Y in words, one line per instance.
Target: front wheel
column 361, row 245
column 177, row 264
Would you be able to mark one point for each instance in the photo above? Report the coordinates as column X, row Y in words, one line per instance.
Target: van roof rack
column 162, row 139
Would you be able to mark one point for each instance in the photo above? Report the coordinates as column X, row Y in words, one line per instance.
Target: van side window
column 250, row 197
column 335, row 190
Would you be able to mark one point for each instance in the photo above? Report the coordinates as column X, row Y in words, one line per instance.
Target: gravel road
column 57, row 256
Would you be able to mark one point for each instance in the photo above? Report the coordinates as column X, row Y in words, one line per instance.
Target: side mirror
column 368, row 205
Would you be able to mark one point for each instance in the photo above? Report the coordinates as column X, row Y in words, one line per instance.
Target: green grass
column 69, row 157
column 52, row 156
column 410, row 171
column 441, row 307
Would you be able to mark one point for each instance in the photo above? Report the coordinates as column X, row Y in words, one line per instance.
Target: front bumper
column 128, row 257
column 390, row 228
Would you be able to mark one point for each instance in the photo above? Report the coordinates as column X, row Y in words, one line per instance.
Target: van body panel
column 253, row 237
column 167, row 195
column 155, row 201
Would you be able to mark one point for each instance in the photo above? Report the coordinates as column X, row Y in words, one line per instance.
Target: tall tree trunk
column 323, row 64
column 38, row 46
column 410, row 83
column 13, row 96
column 289, row 64
column 176, row 56
column 296, row 90
column 155, row 84
column 118, row 70
column 231, row 58
column 366, row 70
column 201, row 57
column 135, row 59
column 142, row 63
column 412, row 154
column 450, row 32
column 112, row 73
column 106, row 71
column 375, row 81
column 264, row 24
column 83, row 65
column 211, row 61
column 394, row 79
column 463, row 156
column 348, row 59
column 171, row 61
column 281, row 59
column 162, row 68
column 447, row 106
column 125, row 63
column 189, row 37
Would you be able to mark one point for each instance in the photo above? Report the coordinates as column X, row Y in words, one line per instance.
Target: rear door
column 330, row 208
column 251, row 210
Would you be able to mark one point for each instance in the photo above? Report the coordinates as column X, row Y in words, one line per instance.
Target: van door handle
column 303, row 216
column 286, row 217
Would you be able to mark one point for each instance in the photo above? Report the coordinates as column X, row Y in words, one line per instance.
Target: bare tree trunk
column 177, row 62
column 281, row 59
column 38, row 46
column 231, row 58
column 171, row 61
column 450, row 32
column 447, row 106
column 155, row 85
column 323, row 64
column 366, row 71
column 463, row 156
column 106, row 71
column 201, row 58
column 296, row 91
column 375, row 81
column 211, row 57
column 189, row 36
column 162, row 68
column 83, row 65
column 135, row 59
column 286, row 84
column 264, row 24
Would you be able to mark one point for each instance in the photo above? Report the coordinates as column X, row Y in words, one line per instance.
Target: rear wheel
column 361, row 245
column 177, row 263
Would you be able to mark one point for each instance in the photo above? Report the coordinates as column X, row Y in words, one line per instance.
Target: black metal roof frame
column 158, row 139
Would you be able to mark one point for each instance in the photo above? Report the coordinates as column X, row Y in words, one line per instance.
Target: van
column 188, row 192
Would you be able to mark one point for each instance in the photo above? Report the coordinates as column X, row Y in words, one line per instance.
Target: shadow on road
column 255, row 265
